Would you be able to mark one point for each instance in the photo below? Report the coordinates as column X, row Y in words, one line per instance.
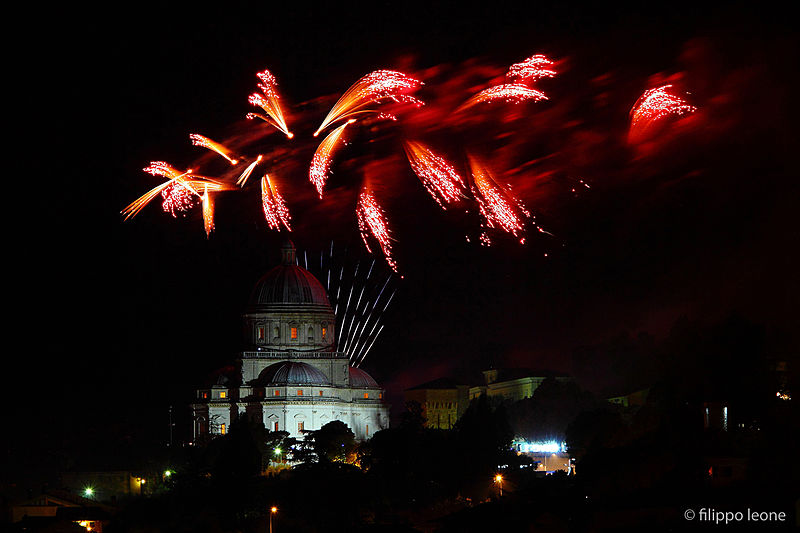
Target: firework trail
column 372, row 220
column 321, row 163
column 652, row 106
column 531, row 70
column 438, row 176
column 275, row 210
column 208, row 212
column 358, row 296
column 173, row 191
column 497, row 206
column 374, row 88
column 247, row 171
column 269, row 101
column 205, row 142
column 514, row 93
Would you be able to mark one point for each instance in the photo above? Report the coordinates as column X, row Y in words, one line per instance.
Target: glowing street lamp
column 88, row 492
column 272, row 511
column 499, row 480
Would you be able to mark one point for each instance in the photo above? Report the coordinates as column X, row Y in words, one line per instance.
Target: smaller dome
column 361, row 380
column 291, row 373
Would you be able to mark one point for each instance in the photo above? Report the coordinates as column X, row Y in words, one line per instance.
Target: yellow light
column 498, row 478
column 274, row 510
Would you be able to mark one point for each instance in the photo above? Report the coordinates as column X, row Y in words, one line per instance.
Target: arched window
column 293, row 333
column 310, row 334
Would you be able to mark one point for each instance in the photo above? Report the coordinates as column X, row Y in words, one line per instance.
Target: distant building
column 59, row 511
column 291, row 377
column 513, row 384
column 631, row 399
column 443, row 401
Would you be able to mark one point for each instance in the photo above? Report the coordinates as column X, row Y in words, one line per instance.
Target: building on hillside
column 290, row 375
column 513, row 384
column 442, row 400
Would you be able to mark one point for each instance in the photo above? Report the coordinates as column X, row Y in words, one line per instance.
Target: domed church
column 290, row 374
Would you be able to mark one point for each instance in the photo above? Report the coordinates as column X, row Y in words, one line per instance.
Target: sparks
column 438, row 176
column 374, row 88
column 208, row 212
column 249, row 170
column 531, row 70
column 205, row 142
column 498, row 207
column 269, row 101
column 275, row 210
column 321, row 163
column 653, row 105
column 514, row 93
column 372, row 220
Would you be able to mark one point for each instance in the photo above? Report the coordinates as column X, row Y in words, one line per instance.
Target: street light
column 88, row 492
column 272, row 511
column 499, row 480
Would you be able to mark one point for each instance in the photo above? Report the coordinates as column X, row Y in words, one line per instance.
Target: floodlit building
column 442, row 400
column 290, row 374
column 513, row 384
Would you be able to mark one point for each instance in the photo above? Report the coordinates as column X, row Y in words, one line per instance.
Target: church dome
column 288, row 283
column 291, row 373
column 361, row 380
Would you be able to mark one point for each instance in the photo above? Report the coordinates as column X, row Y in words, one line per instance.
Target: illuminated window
column 261, row 333
column 294, row 333
column 277, row 393
column 275, row 427
column 223, row 394
column 205, row 395
column 324, row 331
column 366, row 395
column 320, row 393
column 299, row 392
column 222, row 428
column 300, row 426
column 367, row 430
column 380, row 395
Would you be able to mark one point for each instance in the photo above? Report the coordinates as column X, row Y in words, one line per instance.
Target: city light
column 167, row 473
column 542, row 447
column 88, row 492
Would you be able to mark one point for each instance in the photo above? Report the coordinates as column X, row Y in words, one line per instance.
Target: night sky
column 131, row 316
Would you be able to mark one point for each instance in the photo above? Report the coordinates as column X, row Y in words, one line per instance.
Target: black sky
column 131, row 315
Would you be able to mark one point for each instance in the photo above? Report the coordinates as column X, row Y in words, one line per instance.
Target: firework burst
column 498, row 207
column 372, row 221
column 531, row 70
column 208, row 212
column 513, row 93
column 374, row 88
column 652, row 106
column 275, row 210
column 321, row 163
column 247, row 171
column 205, row 142
column 269, row 101
column 438, row 176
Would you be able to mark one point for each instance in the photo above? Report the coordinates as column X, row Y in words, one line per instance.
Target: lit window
column 324, row 331
column 223, row 394
column 320, row 393
column 205, row 395
column 366, row 395
column 261, row 333
column 276, row 427
column 222, row 428
column 380, row 395
column 300, row 426
column 367, row 430
column 277, row 393
column 294, row 333
column 299, row 392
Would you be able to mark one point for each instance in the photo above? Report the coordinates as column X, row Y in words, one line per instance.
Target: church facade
column 290, row 375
